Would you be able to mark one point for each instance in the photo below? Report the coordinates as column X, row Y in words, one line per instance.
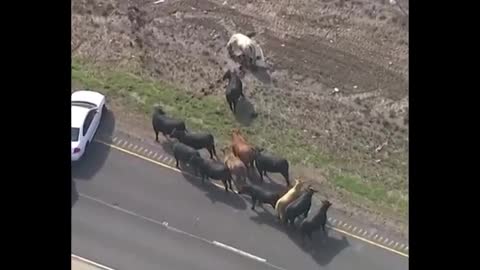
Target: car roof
column 78, row 115
column 86, row 95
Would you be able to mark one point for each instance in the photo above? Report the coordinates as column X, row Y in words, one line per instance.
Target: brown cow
column 236, row 167
column 242, row 149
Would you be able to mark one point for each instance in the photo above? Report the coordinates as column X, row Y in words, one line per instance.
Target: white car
column 87, row 110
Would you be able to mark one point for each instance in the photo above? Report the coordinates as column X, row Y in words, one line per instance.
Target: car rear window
column 75, row 133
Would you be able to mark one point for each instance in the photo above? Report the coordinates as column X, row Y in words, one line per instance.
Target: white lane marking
column 164, row 158
column 119, row 141
column 401, row 246
column 114, row 139
column 364, row 233
column 124, row 143
column 130, row 145
column 150, row 152
column 91, row 262
column 135, row 147
column 155, row 155
column 241, row 252
column 354, row 229
column 168, row 227
column 391, row 243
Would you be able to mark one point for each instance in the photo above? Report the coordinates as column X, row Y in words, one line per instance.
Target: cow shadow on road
column 322, row 249
column 98, row 150
column 268, row 182
column 214, row 193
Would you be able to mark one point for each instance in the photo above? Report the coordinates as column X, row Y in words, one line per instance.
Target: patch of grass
column 140, row 92
column 374, row 192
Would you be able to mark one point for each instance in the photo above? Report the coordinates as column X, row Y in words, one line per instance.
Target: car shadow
column 245, row 112
column 98, row 150
column 74, row 193
column 214, row 193
column 322, row 249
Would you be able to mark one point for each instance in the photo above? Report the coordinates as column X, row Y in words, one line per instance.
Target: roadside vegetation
column 140, row 92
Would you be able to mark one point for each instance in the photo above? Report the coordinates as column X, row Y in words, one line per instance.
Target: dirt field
column 359, row 47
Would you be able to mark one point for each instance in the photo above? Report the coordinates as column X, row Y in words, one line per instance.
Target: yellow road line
column 179, row 171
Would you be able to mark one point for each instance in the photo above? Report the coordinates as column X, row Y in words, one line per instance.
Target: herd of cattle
column 240, row 158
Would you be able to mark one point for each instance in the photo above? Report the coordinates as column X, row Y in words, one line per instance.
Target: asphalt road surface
column 131, row 214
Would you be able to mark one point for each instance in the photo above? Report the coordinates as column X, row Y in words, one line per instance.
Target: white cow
column 243, row 50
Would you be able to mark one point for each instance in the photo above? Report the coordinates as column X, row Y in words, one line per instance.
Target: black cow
column 260, row 195
column 209, row 168
column 269, row 163
column 299, row 206
column 234, row 89
column 196, row 140
column 165, row 124
column 318, row 221
column 183, row 153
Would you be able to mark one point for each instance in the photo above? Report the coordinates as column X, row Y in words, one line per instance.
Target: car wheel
column 104, row 108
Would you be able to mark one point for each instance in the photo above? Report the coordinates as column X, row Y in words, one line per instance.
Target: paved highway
column 121, row 206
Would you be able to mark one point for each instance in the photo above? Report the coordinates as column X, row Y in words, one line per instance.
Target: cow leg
column 224, row 181
column 260, row 172
column 176, row 164
column 156, row 136
column 214, row 150
column 292, row 221
column 285, row 175
column 254, row 201
column 230, row 183
column 235, row 105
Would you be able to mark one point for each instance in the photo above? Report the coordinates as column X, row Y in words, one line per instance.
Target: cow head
column 157, row 109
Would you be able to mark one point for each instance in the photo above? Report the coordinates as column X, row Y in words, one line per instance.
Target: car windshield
column 75, row 133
